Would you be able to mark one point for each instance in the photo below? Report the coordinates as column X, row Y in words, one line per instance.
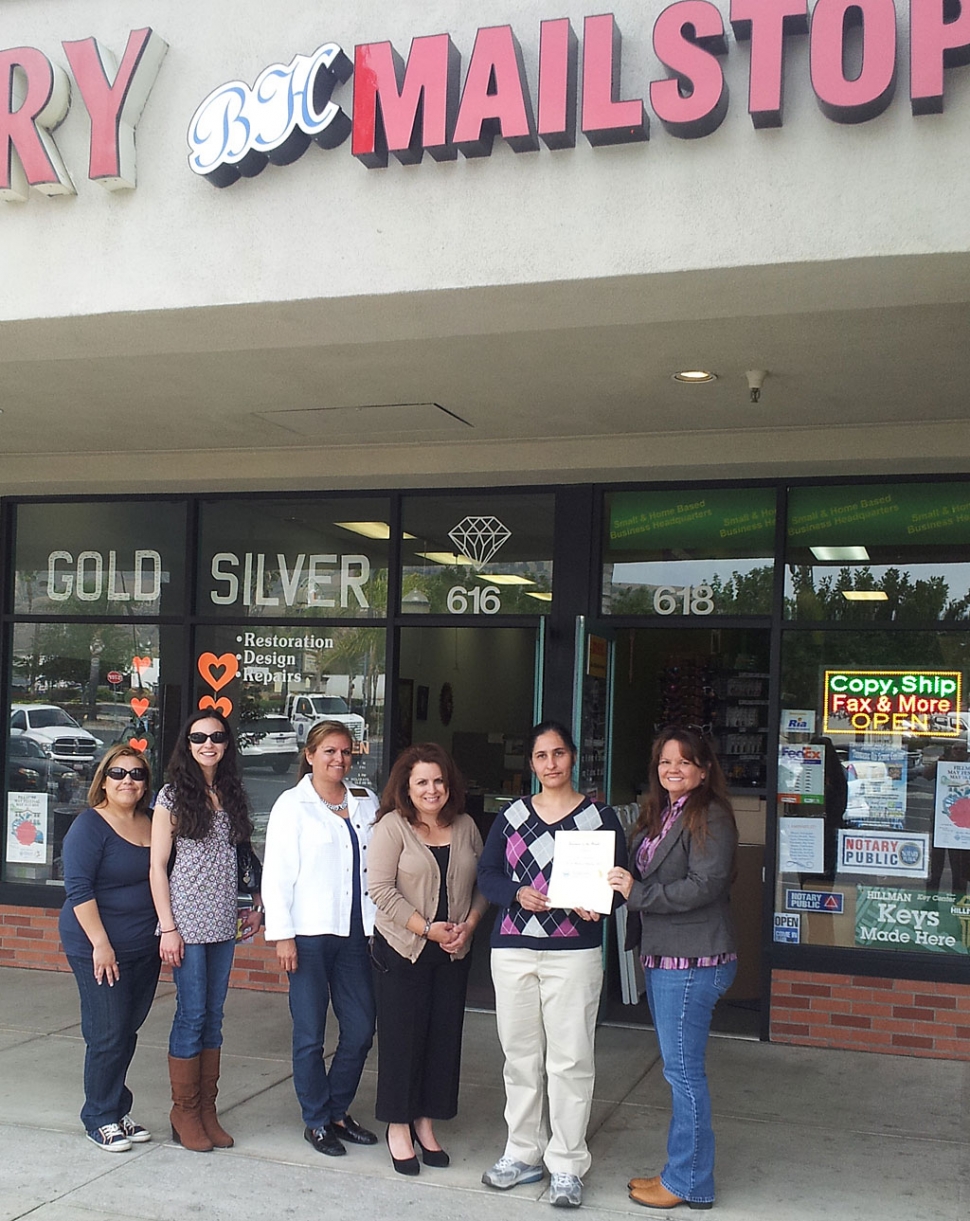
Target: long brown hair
column 397, row 797
column 712, row 790
column 97, row 793
column 191, row 808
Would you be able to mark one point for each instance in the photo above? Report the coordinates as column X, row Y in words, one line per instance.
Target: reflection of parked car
column 57, row 733
column 30, row 770
column 270, row 739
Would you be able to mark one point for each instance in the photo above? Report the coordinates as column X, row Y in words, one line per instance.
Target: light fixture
column 444, row 557
column 865, row 595
column 539, row 596
column 696, row 377
column 503, row 578
column 416, row 603
column 834, row 555
column 370, row 529
column 756, row 379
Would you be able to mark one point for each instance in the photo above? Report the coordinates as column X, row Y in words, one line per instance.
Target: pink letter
column 868, row 94
column 765, row 23
column 607, row 120
column 693, row 101
column 35, row 95
column 495, row 100
column 934, row 44
column 558, row 54
column 115, row 106
column 405, row 110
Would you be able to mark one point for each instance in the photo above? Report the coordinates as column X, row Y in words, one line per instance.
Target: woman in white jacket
column 320, row 915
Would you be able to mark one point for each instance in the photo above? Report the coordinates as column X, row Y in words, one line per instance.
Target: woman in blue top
column 107, row 928
column 547, row 970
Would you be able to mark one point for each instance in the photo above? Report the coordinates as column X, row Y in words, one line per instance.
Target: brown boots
column 208, row 1089
column 195, row 1084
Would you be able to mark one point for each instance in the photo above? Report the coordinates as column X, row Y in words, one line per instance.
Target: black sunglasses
column 119, row 773
column 198, row 737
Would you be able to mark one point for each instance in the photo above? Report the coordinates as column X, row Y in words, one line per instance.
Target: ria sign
column 422, row 105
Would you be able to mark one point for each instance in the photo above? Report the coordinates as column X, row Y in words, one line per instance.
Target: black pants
column 420, row 1013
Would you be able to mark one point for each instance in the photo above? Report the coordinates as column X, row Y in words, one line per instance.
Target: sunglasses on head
column 119, row 773
column 198, row 737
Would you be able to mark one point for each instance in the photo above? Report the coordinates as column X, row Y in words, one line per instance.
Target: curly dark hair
column 191, row 808
column 396, row 796
column 712, row 790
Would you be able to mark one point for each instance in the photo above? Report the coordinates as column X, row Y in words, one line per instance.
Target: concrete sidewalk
column 802, row 1134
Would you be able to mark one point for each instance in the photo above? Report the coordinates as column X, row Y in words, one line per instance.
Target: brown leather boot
column 187, row 1129
column 208, row 1089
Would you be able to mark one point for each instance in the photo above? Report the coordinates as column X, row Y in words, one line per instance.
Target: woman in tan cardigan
column 422, row 864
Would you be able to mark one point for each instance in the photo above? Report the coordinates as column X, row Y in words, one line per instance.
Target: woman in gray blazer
column 678, row 896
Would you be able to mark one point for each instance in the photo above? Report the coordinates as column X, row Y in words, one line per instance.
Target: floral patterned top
column 203, row 881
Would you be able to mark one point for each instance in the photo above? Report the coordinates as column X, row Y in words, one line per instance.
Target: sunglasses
column 198, row 737
column 119, row 773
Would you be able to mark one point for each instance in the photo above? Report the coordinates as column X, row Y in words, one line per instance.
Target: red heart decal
column 139, row 744
column 141, row 663
column 209, row 664
column 140, row 706
column 220, row 705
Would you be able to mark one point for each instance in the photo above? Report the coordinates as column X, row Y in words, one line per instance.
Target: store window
column 691, row 553
column 118, row 559
column 874, row 791
column 275, row 683
column 485, row 554
column 878, row 553
column 273, row 559
column 75, row 690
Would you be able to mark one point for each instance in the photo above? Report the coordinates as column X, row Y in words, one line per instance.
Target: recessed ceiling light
column 865, row 595
column 540, row 596
column 444, row 557
column 503, row 578
column 695, row 377
column 832, row 555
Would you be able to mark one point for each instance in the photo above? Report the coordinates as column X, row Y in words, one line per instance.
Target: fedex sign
column 35, row 97
column 422, row 105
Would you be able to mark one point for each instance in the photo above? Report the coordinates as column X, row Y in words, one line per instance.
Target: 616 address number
column 479, row 600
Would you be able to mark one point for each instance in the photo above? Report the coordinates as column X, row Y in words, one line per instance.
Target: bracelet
column 163, row 931
column 258, row 907
column 427, row 928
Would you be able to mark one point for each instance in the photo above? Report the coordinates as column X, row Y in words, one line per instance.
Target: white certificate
column 580, row 864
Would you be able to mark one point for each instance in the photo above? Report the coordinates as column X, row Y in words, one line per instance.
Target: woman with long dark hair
column 201, row 819
column 107, row 927
column 679, row 883
column 423, row 860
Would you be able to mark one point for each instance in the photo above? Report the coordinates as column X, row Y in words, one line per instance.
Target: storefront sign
column 877, row 780
column 881, row 514
column 904, row 856
column 93, row 577
column 912, row 920
column 892, row 702
column 422, row 105
column 951, row 827
column 787, row 928
column 260, row 579
column 35, row 97
column 830, row 901
column 797, row 720
column 801, row 774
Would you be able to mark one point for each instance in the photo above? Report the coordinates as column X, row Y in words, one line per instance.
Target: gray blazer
column 681, row 906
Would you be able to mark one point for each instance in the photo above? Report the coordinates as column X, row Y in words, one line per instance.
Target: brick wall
column 859, row 1013
column 28, row 938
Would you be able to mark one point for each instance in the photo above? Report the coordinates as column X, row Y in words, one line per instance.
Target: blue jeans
column 330, row 969
column 681, row 1003
column 201, row 984
column 110, row 1020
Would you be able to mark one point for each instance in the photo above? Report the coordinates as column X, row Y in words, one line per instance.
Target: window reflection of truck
column 57, row 733
column 305, row 711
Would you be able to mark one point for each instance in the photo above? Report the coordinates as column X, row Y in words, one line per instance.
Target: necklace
column 334, row 809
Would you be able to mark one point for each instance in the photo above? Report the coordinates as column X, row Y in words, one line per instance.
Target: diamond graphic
column 479, row 538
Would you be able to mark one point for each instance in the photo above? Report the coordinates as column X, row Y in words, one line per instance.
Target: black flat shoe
column 430, row 1157
column 324, row 1140
column 349, row 1130
column 403, row 1165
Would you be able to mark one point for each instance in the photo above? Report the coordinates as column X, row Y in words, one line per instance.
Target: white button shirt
column 307, row 885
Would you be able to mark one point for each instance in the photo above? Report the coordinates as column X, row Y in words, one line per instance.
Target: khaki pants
column 545, row 1004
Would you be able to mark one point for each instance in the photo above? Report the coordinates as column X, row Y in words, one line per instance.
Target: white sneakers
column 507, row 1172
column 565, row 1190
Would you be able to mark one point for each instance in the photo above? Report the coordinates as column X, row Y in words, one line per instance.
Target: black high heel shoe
column 403, row 1165
column 430, row 1157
